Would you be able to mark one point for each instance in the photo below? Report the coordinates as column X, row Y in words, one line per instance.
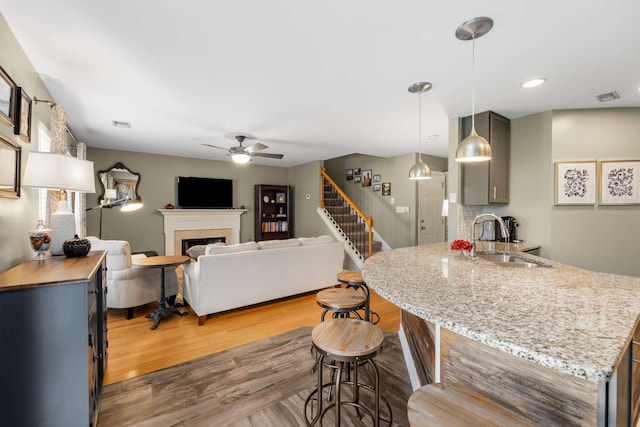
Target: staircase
column 347, row 221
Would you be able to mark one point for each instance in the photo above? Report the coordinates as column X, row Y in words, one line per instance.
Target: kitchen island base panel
column 517, row 384
column 420, row 336
column 450, row 405
column 510, row 382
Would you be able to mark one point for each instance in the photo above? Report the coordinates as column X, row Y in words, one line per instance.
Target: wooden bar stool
column 347, row 343
column 353, row 279
column 342, row 302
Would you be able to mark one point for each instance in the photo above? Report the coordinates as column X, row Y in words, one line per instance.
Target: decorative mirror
column 10, row 154
column 118, row 183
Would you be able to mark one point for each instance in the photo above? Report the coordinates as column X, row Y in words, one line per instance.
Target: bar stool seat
column 341, row 301
column 350, row 343
column 353, row 279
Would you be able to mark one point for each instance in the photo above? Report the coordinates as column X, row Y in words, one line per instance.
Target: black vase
column 76, row 247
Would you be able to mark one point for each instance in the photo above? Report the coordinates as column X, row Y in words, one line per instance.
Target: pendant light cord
column 420, row 126
column 473, row 82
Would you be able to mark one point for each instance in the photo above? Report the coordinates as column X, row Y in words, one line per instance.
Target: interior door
column 432, row 223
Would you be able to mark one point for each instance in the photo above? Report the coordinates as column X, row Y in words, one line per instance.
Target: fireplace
column 189, row 243
column 190, row 224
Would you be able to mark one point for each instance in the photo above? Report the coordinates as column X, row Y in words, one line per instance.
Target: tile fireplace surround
column 182, row 224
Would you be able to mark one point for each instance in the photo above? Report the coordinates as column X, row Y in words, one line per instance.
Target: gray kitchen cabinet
column 487, row 183
column 54, row 341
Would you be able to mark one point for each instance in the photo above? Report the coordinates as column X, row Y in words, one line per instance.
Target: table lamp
column 57, row 171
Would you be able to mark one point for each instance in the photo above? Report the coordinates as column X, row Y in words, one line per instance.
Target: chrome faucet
column 503, row 228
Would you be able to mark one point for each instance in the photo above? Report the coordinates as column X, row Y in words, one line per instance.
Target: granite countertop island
column 563, row 317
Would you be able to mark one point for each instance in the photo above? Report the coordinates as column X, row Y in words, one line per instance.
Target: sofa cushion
column 274, row 244
column 320, row 240
column 195, row 251
column 221, row 248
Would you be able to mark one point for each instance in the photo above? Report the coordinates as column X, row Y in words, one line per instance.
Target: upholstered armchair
column 129, row 286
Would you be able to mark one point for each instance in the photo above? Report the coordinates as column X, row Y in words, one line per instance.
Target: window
column 44, row 144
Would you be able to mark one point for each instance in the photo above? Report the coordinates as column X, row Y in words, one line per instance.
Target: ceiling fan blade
column 256, row 147
column 269, row 155
column 215, row 146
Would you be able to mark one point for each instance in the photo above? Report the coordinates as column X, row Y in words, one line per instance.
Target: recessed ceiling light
column 533, row 82
column 121, row 124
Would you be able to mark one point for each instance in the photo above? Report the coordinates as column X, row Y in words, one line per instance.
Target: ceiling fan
column 242, row 154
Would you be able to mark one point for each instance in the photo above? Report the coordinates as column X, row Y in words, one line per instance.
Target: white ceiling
column 316, row 80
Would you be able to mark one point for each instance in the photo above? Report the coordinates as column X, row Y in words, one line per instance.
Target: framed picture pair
column 611, row 182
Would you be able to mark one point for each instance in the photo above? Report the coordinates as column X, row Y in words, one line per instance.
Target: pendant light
column 473, row 148
column 420, row 170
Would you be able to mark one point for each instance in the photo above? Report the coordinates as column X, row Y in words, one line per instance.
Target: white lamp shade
column 58, row 172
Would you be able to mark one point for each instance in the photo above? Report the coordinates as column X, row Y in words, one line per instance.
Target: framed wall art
column 576, row 182
column 377, row 178
column 7, row 98
column 349, row 174
column 357, row 171
column 620, row 182
column 366, row 178
column 376, row 187
column 357, row 179
column 10, row 154
column 386, row 188
column 23, row 106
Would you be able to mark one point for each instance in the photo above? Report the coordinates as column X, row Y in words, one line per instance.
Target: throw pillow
column 274, row 244
column 320, row 240
column 195, row 251
column 221, row 248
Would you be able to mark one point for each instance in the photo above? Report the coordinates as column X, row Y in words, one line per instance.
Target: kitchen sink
column 511, row 260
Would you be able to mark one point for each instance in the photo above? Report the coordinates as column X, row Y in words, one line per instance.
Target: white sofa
column 228, row 277
column 129, row 286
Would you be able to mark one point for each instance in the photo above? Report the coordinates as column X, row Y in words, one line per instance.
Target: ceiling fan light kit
column 420, row 170
column 473, row 148
column 243, row 155
column 241, row 158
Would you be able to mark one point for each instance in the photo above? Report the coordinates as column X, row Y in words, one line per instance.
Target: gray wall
column 17, row 216
column 397, row 229
column 305, row 180
column 144, row 228
column 599, row 238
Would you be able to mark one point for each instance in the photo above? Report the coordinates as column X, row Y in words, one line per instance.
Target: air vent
column 606, row 97
column 121, row 124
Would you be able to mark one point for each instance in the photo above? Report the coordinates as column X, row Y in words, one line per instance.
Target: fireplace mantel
column 176, row 220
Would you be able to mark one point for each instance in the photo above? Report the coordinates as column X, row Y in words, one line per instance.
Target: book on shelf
column 275, row 226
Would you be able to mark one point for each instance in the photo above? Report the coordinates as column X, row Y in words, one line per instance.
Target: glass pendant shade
column 473, row 148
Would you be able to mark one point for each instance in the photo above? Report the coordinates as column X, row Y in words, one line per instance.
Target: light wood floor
column 136, row 350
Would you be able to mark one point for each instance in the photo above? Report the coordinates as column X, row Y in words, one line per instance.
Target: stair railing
column 325, row 179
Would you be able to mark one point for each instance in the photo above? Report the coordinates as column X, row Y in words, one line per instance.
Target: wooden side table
column 162, row 262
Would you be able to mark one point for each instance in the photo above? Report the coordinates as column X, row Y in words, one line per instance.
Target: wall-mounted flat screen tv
column 204, row 193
